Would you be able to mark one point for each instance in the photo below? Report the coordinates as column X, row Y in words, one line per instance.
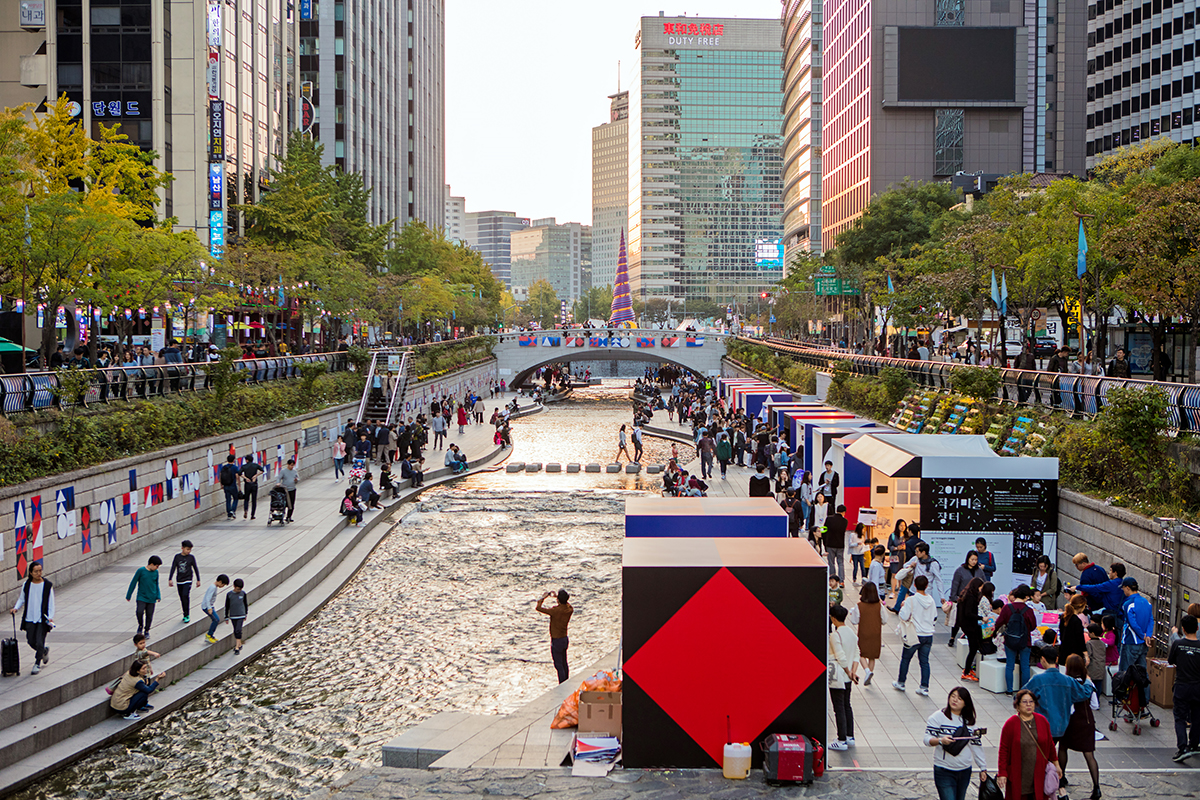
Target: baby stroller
column 1130, row 697
column 279, row 505
column 358, row 471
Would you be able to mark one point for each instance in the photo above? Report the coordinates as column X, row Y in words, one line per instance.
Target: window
column 106, row 16
column 908, row 491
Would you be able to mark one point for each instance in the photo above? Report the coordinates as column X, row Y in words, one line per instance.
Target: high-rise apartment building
column 489, row 233
column 924, row 89
column 208, row 86
column 559, row 254
column 705, row 180
column 374, row 72
column 1143, row 74
column 456, row 217
column 610, row 189
column 801, row 127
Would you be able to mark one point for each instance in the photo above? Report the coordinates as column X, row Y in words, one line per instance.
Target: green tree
column 596, row 303
column 895, row 222
column 543, row 306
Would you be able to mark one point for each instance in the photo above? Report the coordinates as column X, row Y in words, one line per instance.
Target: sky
column 527, row 80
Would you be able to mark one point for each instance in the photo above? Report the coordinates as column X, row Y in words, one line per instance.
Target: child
column 351, row 507
column 141, row 655
column 835, row 591
column 1096, row 650
column 858, row 569
column 209, row 606
column 1049, row 639
column 1111, row 654
column 1036, row 605
column 237, row 606
column 185, row 564
column 878, row 572
column 145, row 580
column 385, row 481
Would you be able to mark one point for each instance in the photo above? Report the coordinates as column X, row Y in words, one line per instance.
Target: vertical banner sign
column 216, row 233
column 308, row 115
column 214, row 25
column 216, row 130
column 216, row 187
column 306, row 9
column 213, row 77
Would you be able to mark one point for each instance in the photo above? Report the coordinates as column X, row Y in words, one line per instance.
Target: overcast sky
column 526, row 80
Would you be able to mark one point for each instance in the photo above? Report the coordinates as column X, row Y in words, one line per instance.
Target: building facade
column 558, row 254
column 374, row 71
column 705, row 178
column 1143, row 74
column 924, row 89
column 801, row 127
column 489, row 233
column 456, row 217
column 610, row 189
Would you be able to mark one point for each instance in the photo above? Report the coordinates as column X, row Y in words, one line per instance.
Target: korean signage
column 306, row 9
column 116, row 108
column 213, row 75
column 216, row 186
column 216, row 130
column 214, row 24
column 33, row 13
column 216, row 233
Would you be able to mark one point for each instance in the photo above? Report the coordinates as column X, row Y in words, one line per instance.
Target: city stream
column 440, row 618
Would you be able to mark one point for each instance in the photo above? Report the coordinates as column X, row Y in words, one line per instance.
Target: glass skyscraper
column 705, row 182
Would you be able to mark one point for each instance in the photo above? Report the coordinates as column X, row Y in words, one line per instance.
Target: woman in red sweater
column 1025, row 746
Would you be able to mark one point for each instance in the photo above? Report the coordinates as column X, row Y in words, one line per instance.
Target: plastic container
column 737, row 761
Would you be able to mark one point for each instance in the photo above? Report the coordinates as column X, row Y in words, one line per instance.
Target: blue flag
column 1004, row 295
column 891, row 289
column 1081, row 262
column 995, row 291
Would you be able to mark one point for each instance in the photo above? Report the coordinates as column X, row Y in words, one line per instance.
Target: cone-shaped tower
column 622, row 304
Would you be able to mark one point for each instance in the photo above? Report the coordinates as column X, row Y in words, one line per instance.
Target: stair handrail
column 362, row 404
column 399, row 389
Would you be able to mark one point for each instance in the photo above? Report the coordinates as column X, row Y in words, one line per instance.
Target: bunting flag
column 1004, row 295
column 598, row 341
column 620, row 341
column 64, row 509
column 645, row 341
column 891, row 289
column 108, row 515
column 695, row 341
column 670, row 341
column 551, row 341
column 995, row 292
column 85, row 528
column 133, row 480
column 622, row 303
column 574, row 341
column 1081, row 258
column 148, row 497
column 528, row 341
column 21, row 530
column 35, row 529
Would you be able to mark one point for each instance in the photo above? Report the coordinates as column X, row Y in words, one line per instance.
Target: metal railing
column 400, row 387
column 509, row 336
column 33, row 391
column 1078, row 394
column 366, row 395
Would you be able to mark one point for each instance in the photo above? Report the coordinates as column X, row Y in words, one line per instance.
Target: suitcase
column 10, row 656
column 792, row 758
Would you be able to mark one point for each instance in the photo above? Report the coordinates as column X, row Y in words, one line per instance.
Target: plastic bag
column 989, row 789
column 568, row 713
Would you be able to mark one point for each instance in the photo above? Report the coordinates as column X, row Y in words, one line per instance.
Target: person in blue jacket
column 986, row 559
column 1139, row 626
column 1107, row 594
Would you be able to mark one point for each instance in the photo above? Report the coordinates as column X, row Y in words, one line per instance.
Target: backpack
column 228, row 476
column 1016, row 632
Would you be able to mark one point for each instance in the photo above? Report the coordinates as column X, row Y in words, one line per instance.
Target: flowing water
column 440, row 618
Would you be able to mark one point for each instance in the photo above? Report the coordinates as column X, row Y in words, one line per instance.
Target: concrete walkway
column 290, row 572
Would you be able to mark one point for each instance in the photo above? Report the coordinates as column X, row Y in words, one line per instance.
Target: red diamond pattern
column 723, row 653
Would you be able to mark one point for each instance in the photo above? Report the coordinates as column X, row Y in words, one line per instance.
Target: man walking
column 835, row 544
column 250, row 472
column 637, row 443
column 1139, row 626
column 1119, row 367
column 37, row 598
column 708, row 450
column 1185, row 655
column 438, row 423
column 145, row 581
column 1055, row 693
column 917, row 616
column 288, row 478
column 560, row 616
column 829, row 481
column 229, row 482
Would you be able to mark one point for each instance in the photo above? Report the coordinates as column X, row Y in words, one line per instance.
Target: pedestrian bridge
column 519, row 354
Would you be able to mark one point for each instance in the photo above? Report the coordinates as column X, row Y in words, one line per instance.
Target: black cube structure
column 717, row 632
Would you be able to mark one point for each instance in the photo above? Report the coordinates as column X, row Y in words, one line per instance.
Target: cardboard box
column 1162, row 682
column 600, row 712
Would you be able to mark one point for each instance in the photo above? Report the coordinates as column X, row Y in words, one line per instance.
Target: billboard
column 768, row 253
column 216, row 130
column 974, row 65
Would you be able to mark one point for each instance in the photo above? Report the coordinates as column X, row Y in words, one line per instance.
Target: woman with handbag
column 968, row 621
column 1027, row 767
column 958, row 746
column 842, row 673
column 1081, row 729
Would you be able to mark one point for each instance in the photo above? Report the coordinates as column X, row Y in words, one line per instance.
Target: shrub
column 980, row 383
column 897, row 383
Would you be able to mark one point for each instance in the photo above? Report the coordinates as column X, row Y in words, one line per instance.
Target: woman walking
column 622, row 446
column 1073, row 629
column 895, row 546
column 724, row 451
column 1025, row 749
column 339, row 459
column 820, row 511
column 868, row 616
column 957, row 746
column 842, row 673
column 968, row 620
column 962, row 576
column 462, row 420
column 1081, row 729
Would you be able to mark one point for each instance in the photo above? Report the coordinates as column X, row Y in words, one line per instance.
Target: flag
column 598, row 341
column 695, row 341
column 35, row 529
column 551, row 341
column 1081, row 259
column 645, row 341
column 22, row 531
column 670, row 341
column 891, row 289
column 1003, row 296
column 574, row 341
column 527, row 341
column 85, row 528
column 108, row 513
column 995, row 292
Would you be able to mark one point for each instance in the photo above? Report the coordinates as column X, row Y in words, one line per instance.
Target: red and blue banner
column 645, row 341
column 695, row 341
column 670, row 341
column 574, row 341
column 598, row 341
column 620, row 341
column 528, row 341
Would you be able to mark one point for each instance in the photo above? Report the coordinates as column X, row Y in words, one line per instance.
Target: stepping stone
column 518, row 466
column 654, row 469
column 534, row 467
column 633, row 468
column 572, row 468
column 593, row 468
column 554, row 468
column 613, row 468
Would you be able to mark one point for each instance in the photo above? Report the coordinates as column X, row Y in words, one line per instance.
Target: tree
column 543, row 306
column 299, row 205
column 596, row 303
column 895, row 222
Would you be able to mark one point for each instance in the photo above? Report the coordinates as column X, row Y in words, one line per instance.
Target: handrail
column 398, row 389
column 1083, row 395
column 362, row 404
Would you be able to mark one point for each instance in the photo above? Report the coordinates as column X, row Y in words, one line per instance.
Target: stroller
column 279, row 505
column 1130, row 697
column 358, row 471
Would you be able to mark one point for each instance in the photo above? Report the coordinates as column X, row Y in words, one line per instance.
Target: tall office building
column 801, row 127
column 489, row 233
column 924, row 89
column 209, row 88
column 559, row 254
column 456, row 217
column 610, row 189
column 705, row 181
column 375, row 73
column 1143, row 74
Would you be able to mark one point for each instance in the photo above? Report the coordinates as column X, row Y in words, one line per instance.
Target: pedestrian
column 560, row 617
column 339, row 458
column 237, row 608
column 877, row 573
column 1080, row 735
column 868, row 616
column 987, row 561
column 820, row 512
column 917, row 617
column 1119, row 367
column 828, row 483
column 760, row 482
column 1185, row 655
column 351, row 507
column 621, row 446
column 209, row 606
column 842, row 674
column 1072, row 629
column 438, row 424
column 637, row 446
column 835, row 543
column 724, row 451
column 250, row 473
column 134, row 689
column 1025, row 749
column 410, row 472
column 456, row 461
column 462, row 420
column 1139, row 627
column 858, row 550
column 962, row 576
column 895, row 548
column 288, row 478
column 957, row 746
column 37, row 598
column 1019, row 623
column 228, row 475
column 185, row 568
column 145, row 580
column 1093, row 582
column 1045, row 580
